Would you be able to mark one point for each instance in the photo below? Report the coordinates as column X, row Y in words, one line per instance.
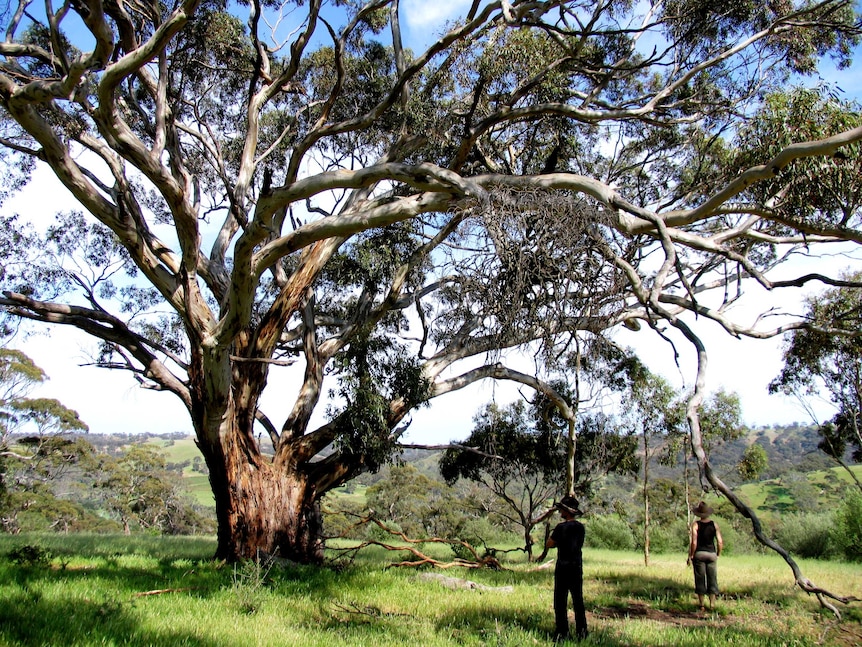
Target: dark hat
column 702, row 510
column 569, row 504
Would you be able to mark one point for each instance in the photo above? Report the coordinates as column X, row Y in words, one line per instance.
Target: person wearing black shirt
column 568, row 538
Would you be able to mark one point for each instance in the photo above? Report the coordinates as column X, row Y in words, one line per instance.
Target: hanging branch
column 823, row 596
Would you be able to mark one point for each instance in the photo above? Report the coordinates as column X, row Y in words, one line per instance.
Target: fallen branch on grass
column 161, row 591
column 412, row 546
column 458, row 583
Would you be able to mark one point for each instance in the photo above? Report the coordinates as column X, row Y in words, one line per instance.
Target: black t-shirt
column 569, row 539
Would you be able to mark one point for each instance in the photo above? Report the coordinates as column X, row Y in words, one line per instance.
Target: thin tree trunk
column 646, row 499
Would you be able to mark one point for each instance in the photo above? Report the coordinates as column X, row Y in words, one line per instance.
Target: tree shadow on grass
column 669, row 595
column 626, row 599
column 28, row 619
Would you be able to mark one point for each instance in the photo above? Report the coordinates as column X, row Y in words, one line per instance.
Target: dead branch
column 162, row 591
column 458, row 583
column 373, row 612
column 411, row 545
column 458, row 446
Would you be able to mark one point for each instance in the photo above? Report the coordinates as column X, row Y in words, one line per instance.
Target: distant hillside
column 183, row 452
column 791, row 451
column 816, row 491
column 180, row 451
column 788, row 448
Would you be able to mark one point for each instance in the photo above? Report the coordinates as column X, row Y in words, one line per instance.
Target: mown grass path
column 166, row 591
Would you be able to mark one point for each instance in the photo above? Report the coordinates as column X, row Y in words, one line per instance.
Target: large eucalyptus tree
column 293, row 183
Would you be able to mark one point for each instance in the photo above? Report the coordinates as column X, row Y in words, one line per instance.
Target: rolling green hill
column 815, row 491
column 184, row 450
column 788, row 489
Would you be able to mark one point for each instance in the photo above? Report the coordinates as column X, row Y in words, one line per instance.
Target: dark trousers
column 569, row 579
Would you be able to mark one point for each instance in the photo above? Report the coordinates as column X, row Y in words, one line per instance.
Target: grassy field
column 165, row 591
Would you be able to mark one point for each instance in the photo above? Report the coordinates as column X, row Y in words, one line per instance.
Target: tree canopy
column 827, row 356
column 252, row 194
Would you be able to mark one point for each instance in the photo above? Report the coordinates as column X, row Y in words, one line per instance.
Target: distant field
column 185, row 449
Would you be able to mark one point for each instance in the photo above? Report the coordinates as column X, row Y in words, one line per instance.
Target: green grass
column 90, row 593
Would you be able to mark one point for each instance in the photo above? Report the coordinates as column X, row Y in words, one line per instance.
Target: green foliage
column 413, row 501
column 609, row 532
column 754, row 462
column 665, row 538
column 721, row 418
column 822, row 193
column 18, row 376
column 705, row 23
column 808, row 534
column 510, row 433
column 847, row 527
column 374, row 371
column 138, row 489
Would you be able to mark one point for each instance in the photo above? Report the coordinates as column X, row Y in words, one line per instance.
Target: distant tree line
column 53, row 476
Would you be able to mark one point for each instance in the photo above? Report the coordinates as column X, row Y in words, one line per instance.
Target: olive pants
column 705, row 573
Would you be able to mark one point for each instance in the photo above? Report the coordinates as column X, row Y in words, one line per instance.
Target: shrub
column 847, row 527
column 807, row 535
column 609, row 532
column 29, row 555
column 669, row 538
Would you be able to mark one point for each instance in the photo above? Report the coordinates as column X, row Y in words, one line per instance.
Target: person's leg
column 578, row 600
column 712, row 582
column 561, row 599
column 699, row 569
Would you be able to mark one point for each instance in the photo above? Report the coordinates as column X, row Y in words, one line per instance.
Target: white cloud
column 430, row 16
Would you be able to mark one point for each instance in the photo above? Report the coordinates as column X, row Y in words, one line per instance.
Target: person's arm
column 550, row 543
column 718, row 540
column 692, row 543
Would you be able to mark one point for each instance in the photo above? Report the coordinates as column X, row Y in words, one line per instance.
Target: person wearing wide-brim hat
column 568, row 538
column 704, row 547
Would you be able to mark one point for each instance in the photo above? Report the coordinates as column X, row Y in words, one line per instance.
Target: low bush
column 807, row 535
column 609, row 532
column 29, row 555
column 669, row 538
column 846, row 532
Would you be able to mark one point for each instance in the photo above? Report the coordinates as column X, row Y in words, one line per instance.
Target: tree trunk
column 646, row 500
column 263, row 509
